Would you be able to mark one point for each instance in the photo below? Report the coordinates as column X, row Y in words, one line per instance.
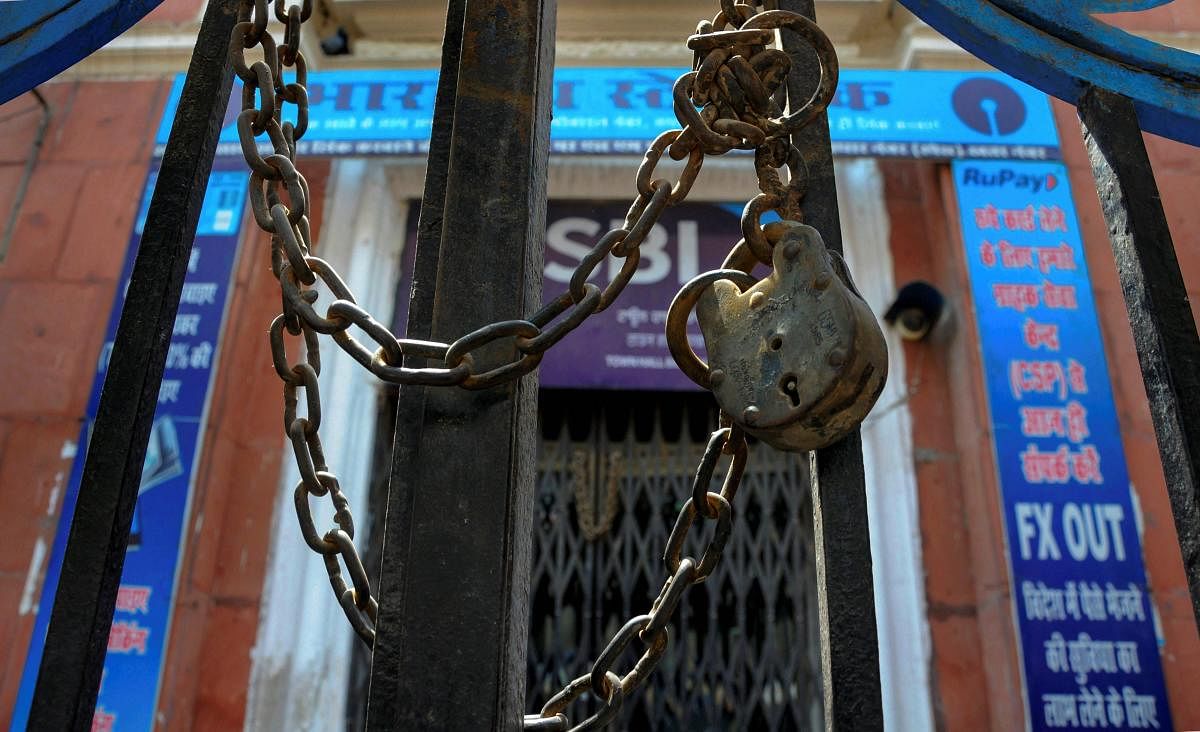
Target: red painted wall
column 56, row 289
column 974, row 666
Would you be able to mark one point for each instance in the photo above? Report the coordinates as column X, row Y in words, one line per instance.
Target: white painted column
column 301, row 659
column 904, row 645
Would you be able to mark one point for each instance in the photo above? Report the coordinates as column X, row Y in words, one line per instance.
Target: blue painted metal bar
column 1056, row 46
column 40, row 38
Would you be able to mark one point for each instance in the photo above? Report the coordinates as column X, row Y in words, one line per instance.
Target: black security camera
column 918, row 307
column 337, row 44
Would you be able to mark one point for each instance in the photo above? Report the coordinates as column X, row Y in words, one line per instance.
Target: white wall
column 904, row 645
column 300, row 662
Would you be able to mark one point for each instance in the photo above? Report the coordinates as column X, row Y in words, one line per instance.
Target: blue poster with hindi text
column 145, row 599
column 1088, row 641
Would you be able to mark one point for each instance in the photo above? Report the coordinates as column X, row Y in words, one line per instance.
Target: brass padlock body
column 798, row 359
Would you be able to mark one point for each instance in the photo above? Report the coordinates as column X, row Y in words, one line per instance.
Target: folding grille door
column 614, row 470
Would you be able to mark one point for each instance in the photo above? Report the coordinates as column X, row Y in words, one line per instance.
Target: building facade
column 242, row 630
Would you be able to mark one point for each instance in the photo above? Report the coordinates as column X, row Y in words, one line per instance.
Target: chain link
column 611, row 688
column 583, row 482
column 736, row 84
column 732, row 99
column 279, row 199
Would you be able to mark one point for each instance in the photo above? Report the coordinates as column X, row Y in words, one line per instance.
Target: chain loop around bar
column 730, row 100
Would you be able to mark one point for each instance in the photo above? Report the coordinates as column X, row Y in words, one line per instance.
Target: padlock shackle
column 681, row 309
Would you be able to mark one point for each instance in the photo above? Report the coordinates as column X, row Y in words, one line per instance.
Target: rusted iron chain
column 735, row 83
column 583, row 482
column 280, row 199
column 732, row 99
column 610, row 687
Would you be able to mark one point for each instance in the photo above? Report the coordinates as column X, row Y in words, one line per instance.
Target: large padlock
column 798, row 358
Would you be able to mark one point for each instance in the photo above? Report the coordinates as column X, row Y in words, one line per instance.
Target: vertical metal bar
column 451, row 646
column 411, row 400
column 410, row 405
column 1164, row 329
column 433, row 200
column 845, row 589
column 77, row 638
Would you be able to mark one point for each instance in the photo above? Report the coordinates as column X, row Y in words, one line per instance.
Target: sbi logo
column 989, row 107
column 1003, row 177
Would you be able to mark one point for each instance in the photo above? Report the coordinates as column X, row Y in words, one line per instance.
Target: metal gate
column 488, row 154
column 613, row 470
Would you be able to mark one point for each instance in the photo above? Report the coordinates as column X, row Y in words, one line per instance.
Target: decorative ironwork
column 1060, row 48
column 747, row 646
column 40, row 39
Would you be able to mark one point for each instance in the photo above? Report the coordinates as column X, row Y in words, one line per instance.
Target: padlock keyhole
column 791, row 388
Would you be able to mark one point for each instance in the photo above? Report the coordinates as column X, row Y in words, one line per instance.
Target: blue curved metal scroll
column 40, row 38
column 1060, row 48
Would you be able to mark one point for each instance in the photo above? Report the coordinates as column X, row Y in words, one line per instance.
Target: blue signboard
column 1088, row 642
column 141, row 623
column 911, row 114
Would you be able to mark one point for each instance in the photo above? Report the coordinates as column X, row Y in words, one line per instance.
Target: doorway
column 613, row 471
